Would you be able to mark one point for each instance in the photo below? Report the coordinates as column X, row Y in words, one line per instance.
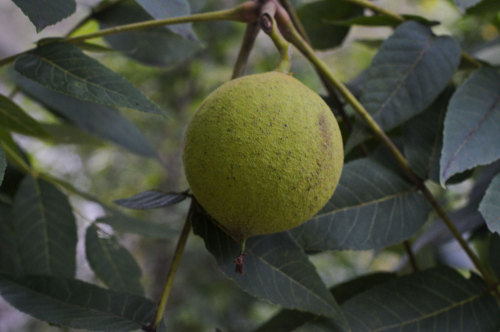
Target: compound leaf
column 43, row 13
column 65, row 69
column 126, row 224
column 372, row 207
column 151, row 199
column 45, row 229
column 15, row 119
column 472, row 124
column 3, row 164
column 77, row 304
column 439, row 299
column 111, row 262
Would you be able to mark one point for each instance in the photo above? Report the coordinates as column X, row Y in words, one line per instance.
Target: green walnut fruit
column 263, row 154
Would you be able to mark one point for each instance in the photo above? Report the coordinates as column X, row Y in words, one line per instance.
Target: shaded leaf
column 494, row 252
column 15, row 119
column 10, row 262
column 111, row 262
column 288, row 320
column 43, row 13
column 159, row 9
column 97, row 119
column 276, row 269
column 380, row 20
column 151, row 199
column 490, row 205
column 126, row 224
column 11, row 149
column 371, row 208
column 315, row 17
column 3, row 164
column 438, row 299
column 66, row 133
column 472, row 124
column 409, row 71
column 423, row 137
column 45, row 229
column 76, row 304
column 65, row 69
column 155, row 46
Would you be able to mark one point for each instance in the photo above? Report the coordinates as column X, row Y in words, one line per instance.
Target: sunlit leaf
column 160, row 9
column 100, row 120
column 65, row 69
column 409, row 71
column 490, row 205
column 372, row 207
column 43, row 13
column 155, row 46
column 77, row 304
column 315, row 17
column 15, row 119
column 151, row 199
column 472, row 124
column 126, row 224
column 45, row 229
column 438, row 299
column 111, row 262
column 423, row 137
column 276, row 269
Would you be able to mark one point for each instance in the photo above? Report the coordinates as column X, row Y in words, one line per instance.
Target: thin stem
column 292, row 35
column 295, row 19
column 411, row 256
column 380, row 10
column 174, row 264
column 246, row 12
column 268, row 25
column 251, row 32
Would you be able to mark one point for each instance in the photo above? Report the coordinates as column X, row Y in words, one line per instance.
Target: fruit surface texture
column 263, row 154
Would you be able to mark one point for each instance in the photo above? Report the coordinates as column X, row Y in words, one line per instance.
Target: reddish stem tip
column 239, row 263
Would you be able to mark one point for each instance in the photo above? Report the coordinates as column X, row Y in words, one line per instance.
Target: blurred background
column 202, row 298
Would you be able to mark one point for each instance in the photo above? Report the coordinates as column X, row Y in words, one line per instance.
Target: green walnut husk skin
column 263, row 154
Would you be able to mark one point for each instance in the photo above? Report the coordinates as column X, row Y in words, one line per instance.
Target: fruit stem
column 385, row 12
column 174, row 264
column 411, row 256
column 239, row 261
column 269, row 26
column 291, row 34
column 251, row 32
column 246, row 12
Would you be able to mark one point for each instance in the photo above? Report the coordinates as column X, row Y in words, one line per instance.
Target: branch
column 251, row 32
column 246, row 12
column 268, row 25
column 377, row 9
column 294, row 37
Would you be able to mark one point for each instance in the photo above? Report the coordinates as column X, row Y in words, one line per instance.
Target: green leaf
column 423, row 137
column 65, row 69
column 43, row 13
column 494, row 252
column 490, row 205
column 45, row 228
column 155, row 46
column 151, row 199
column 100, row 120
column 111, row 262
column 126, row 224
column 276, row 269
column 315, row 17
column 77, row 304
column 160, row 9
column 410, row 70
column 3, row 164
column 371, row 208
column 15, row 119
column 465, row 4
column 288, row 320
column 10, row 262
column 380, row 20
column 471, row 125
column 438, row 299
